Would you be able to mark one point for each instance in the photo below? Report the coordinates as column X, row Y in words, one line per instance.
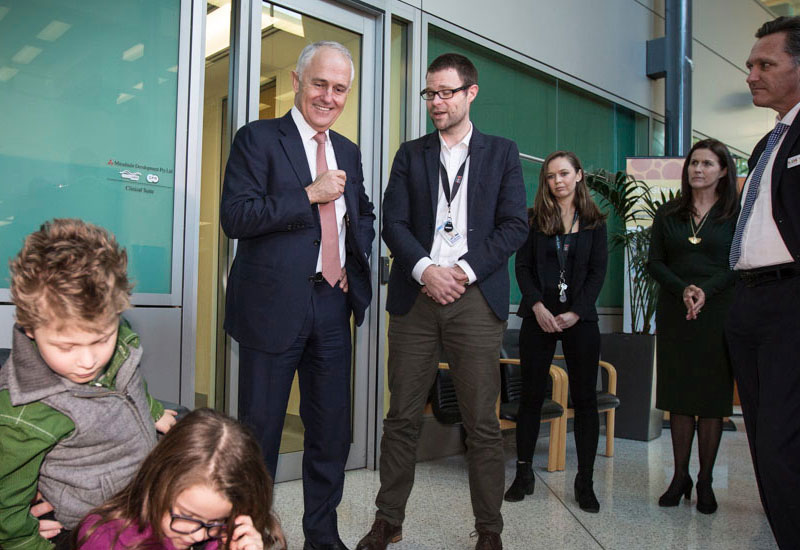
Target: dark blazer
column 785, row 187
column 495, row 215
column 585, row 280
column 265, row 206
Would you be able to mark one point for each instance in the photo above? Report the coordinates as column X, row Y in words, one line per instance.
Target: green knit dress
column 692, row 368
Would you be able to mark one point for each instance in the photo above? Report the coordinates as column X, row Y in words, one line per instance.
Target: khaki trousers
column 471, row 335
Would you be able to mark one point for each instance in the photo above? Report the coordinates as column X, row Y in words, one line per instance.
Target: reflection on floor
column 439, row 515
column 292, row 436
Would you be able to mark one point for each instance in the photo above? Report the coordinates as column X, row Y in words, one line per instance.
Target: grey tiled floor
column 439, row 515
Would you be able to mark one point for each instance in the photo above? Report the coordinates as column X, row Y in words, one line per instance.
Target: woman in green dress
column 690, row 242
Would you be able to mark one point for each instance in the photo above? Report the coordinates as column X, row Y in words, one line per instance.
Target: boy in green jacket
column 76, row 419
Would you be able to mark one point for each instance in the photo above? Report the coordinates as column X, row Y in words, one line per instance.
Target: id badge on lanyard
column 447, row 230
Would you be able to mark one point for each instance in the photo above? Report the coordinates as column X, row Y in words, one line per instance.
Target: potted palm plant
column 632, row 352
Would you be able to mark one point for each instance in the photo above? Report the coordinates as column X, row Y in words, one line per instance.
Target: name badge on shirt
column 793, row 161
column 450, row 237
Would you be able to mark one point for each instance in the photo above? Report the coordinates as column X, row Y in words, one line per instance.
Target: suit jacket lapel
column 432, row 151
column 783, row 156
column 294, row 149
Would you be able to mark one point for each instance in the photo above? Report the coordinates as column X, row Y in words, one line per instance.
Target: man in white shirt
column 453, row 214
column 763, row 327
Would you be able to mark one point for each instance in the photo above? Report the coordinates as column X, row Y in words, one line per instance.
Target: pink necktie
column 331, row 262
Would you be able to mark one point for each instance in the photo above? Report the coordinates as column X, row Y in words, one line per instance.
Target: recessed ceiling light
column 7, row 73
column 53, row 31
column 133, row 53
column 26, row 55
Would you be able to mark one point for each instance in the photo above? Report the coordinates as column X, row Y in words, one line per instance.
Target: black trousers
column 581, row 344
column 763, row 333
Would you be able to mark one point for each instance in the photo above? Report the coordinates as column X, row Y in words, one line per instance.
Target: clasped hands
column 444, row 285
column 553, row 323
column 694, row 299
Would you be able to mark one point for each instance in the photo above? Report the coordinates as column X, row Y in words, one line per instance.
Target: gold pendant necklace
column 694, row 239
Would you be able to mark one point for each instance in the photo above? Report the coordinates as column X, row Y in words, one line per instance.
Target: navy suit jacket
column 496, row 216
column 265, row 206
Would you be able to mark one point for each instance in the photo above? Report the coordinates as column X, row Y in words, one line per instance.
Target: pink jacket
column 104, row 536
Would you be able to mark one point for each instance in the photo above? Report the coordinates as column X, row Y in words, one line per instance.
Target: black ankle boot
column 679, row 487
column 706, row 501
column 523, row 484
column 584, row 494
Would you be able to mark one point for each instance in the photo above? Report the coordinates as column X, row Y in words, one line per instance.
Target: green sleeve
column 156, row 408
column 27, row 433
column 657, row 261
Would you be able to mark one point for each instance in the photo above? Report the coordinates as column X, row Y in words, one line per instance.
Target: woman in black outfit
column 560, row 271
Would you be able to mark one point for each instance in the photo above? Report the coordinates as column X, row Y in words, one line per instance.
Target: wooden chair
column 607, row 402
column 553, row 409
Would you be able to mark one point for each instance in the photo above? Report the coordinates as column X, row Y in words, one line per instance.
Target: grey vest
column 113, row 433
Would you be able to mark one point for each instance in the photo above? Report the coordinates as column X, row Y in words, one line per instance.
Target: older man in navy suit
column 454, row 212
column 294, row 197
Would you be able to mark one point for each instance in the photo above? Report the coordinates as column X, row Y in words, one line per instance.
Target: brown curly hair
column 70, row 271
column 205, row 448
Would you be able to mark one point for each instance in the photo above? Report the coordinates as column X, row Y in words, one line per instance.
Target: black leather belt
column 759, row 276
column 316, row 277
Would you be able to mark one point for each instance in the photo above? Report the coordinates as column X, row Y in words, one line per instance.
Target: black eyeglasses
column 428, row 95
column 186, row 526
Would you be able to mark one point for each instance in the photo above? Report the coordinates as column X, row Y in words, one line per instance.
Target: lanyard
column 456, row 182
column 561, row 252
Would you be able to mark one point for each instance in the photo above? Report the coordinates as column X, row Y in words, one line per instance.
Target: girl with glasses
column 204, row 486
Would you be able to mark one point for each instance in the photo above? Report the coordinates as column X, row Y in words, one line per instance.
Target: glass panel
column 398, row 118
column 212, row 246
column 782, row 7
column 90, row 91
column 284, row 34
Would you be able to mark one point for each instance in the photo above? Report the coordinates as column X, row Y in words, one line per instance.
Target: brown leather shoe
column 488, row 540
column 381, row 534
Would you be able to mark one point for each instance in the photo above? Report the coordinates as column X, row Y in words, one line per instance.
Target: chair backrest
column 511, row 383
column 443, row 398
column 510, row 347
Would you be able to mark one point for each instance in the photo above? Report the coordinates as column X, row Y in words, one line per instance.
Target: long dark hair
column 727, row 195
column 546, row 214
column 205, row 448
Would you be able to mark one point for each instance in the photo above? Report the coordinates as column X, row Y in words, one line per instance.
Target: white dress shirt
column 762, row 244
column 442, row 253
column 307, row 134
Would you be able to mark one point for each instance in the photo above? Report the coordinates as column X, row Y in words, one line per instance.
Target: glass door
column 284, row 30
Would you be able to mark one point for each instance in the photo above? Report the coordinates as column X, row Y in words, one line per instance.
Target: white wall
column 603, row 45
column 723, row 32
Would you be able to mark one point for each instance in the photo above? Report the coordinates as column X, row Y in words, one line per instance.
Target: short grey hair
column 308, row 53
